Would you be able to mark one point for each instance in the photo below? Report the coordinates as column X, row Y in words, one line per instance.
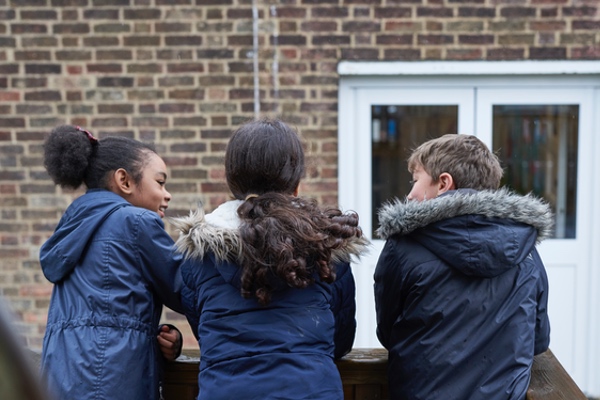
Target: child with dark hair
column 113, row 267
column 268, row 288
column 460, row 290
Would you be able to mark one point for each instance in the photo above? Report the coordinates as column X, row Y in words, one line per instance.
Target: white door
column 488, row 109
column 566, row 257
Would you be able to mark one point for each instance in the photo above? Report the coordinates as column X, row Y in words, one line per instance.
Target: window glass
column 537, row 146
column 395, row 131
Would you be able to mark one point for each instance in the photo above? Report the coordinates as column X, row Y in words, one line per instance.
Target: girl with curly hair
column 268, row 289
column 113, row 267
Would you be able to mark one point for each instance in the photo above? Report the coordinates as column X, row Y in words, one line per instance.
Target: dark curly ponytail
column 286, row 239
column 72, row 156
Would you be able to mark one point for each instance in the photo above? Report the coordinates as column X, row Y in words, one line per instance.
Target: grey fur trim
column 403, row 217
column 354, row 247
column 197, row 238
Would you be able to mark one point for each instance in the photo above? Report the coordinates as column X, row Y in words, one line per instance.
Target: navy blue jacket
column 461, row 295
column 113, row 268
column 284, row 350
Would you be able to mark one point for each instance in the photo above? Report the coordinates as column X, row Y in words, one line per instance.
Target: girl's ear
column 445, row 183
column 121, row 182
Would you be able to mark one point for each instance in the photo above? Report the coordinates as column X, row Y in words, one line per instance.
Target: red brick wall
column 180, row 73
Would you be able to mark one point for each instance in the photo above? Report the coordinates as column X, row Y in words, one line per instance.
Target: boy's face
column 424, row 187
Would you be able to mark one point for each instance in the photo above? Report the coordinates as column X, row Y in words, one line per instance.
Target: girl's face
column 424, row 187
column 150, row 193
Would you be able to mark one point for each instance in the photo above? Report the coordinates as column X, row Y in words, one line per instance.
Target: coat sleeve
column 542, row 323
column 343, row 305
column 189, row 296
column 388, row 305
column 159, row 260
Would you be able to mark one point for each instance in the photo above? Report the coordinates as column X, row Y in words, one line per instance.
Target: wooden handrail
column 364, row 376
column 549, row 380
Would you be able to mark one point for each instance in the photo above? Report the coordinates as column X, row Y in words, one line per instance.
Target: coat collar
column 218, row 233
column 403, row 217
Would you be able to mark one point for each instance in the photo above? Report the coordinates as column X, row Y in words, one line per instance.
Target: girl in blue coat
column 267, row 286
column 113, row 267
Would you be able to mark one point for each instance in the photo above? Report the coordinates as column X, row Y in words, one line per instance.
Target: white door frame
column 357, row 78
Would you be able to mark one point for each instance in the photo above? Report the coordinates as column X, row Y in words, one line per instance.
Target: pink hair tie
column 88, row 134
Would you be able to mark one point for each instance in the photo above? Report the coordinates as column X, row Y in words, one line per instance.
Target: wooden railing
column 364, row 377
column 550, row 381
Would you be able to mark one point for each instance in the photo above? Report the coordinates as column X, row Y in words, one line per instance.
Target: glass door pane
column 419, row 110
column 537, row 146
column 395, row 131
column 545, row 139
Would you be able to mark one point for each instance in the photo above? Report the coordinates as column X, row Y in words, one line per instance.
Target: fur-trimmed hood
column 218, row 233
column 481, row 233
column 215, row 233
column 403, row 217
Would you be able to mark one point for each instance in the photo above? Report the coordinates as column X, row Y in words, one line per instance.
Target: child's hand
column 169, row 341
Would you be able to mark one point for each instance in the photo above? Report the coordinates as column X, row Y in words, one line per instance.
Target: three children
column 460, row 290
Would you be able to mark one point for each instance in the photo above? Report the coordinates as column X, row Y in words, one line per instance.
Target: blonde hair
column 465, row 157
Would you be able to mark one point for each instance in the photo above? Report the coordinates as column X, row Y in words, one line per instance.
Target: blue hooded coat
column 284, row 350
column 461, row 295
column 113, row 267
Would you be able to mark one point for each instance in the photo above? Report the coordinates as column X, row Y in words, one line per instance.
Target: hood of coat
column 481, row 233
column 62, row 251
column 217, row 234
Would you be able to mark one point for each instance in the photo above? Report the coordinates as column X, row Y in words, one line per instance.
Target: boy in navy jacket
column 461, row 292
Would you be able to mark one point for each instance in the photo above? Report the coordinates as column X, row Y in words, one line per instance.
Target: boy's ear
column 445, row 183
column 121, row 182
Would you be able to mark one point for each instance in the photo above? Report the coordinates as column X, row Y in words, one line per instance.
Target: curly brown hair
column 287, row 240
